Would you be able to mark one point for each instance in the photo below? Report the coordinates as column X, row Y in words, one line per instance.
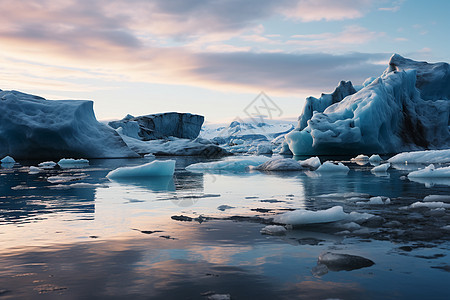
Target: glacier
column 32, row 127
column 405, row 109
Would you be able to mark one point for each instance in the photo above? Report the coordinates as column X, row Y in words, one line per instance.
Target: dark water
column 109, row 239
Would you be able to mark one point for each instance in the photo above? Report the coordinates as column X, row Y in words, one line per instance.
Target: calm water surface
column 166, row 238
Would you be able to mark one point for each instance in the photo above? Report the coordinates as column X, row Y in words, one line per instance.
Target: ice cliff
column 159, row 126
column 406, row 108
column 32, row 127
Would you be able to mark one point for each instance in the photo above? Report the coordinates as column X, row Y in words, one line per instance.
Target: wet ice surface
column 197, row 235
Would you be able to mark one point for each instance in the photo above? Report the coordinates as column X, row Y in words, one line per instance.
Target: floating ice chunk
column 303, row 217
column 422, row 157
column 361, row 157
column 224, row 207
column 47, row 165
column 232, row 164
column 375, row 201
column 375, row 158
column 359, row 217
column 350, row 226
column 34, row 170
column 430, row 205
column 280, row 164
column 437, row 198
column 264, row 148
column 76, row 185
column 344, row 195
column 150, row 155
column 154, row 168
column 62, row 179
column 328, row 166
column 431, row 172
column 8, row 160
column 274, row 230
column 312, row 163
column 381, row 168
column 66, row 163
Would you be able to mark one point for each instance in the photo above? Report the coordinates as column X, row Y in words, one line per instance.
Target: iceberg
column 32, row 127
column 8, row 160
column 431, row 172
column 305, row 217
column 66, row 163
column 158, row 126
column 176, row 147
column 422, row 157
column 398, row 111
column 236, row 164
column 375, row 159
column 312, row 163
column 381, row 168
column 280, row 164
column 151, row 169
column 329, row 167
column 274, row 230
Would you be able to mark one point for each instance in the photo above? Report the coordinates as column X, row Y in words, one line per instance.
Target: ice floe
column 154, row 168
column 305, row 217
column 431, row 172
column 381, row 168
column 330, row 167
column 280, row 164
column 422, row 157
column 237, row 164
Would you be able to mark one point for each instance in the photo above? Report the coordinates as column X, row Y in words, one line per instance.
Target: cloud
column 328, row 10
column 161, row 42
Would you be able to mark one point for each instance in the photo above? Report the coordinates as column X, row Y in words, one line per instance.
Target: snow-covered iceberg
column 32, row 127
column 406, row 108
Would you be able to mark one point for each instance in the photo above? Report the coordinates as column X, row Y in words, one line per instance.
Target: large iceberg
column 158, row 126
column 406, row 108
column 32, row 127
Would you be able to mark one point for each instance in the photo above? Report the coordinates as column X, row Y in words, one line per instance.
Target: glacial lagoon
column 197, row 235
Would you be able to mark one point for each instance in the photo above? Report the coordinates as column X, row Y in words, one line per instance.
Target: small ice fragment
column 8, row 160
column 274, row 230
column 34, row 170
column 312, row 163
column 224, row 207
column 302, row 216
column 328, row 166
column 47, row 165
column 62, row 179
column 360, row 157
column 437, row 198
column 430, row 205
column 219, row 297
column 381, row 168
column 375, row 158
column 151, row 169
column 67, row 162
column 150, row 155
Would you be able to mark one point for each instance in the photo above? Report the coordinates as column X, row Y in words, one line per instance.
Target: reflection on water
column 106, row 239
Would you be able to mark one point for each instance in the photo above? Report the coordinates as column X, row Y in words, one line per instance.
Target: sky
column 209, row 57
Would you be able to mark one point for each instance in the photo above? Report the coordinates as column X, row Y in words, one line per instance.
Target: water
column 106, row 239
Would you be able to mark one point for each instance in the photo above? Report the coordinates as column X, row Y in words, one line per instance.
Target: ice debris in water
column 274, row 230
column 151, row 169
column 381, row 168
column 375, row 201
column 232, row 164
column 328, row 166
column 431, row 172
column 344, row 262
column 62, row 179
column 8, row 160
column 303, row 216
column 361, row 157
column 437, row 198
column 47, row 165
column 430, row 205
column 422, row 157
